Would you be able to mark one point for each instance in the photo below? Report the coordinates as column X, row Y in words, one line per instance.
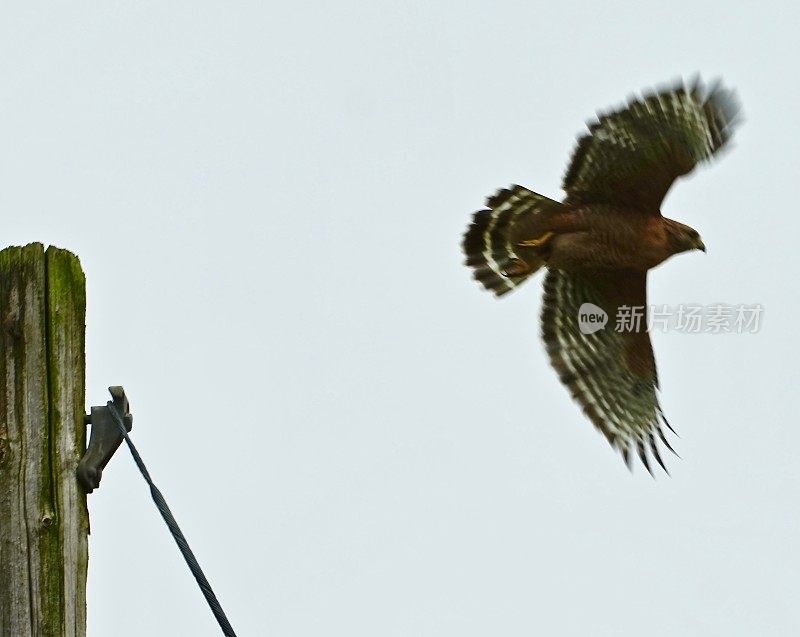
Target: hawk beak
column 701, row 246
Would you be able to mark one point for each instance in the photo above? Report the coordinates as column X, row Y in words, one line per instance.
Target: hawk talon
column 536, row 243
column 517, row 267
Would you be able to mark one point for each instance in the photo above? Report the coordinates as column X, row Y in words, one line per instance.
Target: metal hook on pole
column 106, row 437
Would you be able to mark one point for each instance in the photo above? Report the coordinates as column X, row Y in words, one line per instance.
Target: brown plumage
column 598, row 245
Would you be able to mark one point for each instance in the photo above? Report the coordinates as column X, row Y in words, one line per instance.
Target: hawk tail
column 489, row 244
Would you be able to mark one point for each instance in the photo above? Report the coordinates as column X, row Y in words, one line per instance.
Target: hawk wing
column 630, row 157
column 612, row 374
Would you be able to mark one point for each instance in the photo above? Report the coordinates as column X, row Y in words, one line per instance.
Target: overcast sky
column 268, row 200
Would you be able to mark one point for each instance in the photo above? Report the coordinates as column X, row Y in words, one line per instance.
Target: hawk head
column 683, row 238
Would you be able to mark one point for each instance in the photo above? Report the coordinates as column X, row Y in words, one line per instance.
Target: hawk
column 598, row 244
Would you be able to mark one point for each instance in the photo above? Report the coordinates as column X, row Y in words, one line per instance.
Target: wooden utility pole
column 43, row 517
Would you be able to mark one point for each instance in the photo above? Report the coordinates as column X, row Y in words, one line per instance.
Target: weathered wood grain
column 43, row 517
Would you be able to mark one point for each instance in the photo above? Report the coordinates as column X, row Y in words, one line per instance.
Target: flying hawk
column 598, row 244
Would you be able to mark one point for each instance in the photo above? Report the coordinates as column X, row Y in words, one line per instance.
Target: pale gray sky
column 268, row 200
